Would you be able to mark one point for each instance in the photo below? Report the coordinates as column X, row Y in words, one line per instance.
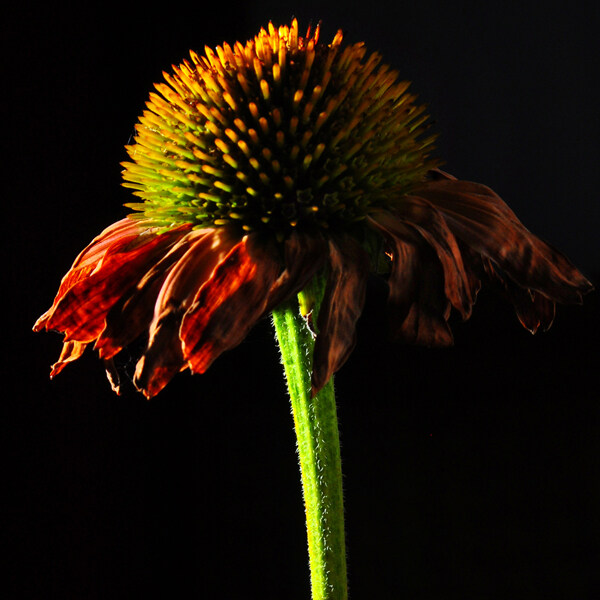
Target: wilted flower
column 261, row 164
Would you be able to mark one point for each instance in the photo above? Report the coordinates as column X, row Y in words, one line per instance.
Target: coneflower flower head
column 259, row 166
column 281, row 133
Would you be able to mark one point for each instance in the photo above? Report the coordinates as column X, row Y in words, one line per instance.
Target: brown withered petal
column 342, row 305
column 480, row 218
column 534, row 310
column 418, row 305
column 304, row 255
column 197, row 292
column 418, row 309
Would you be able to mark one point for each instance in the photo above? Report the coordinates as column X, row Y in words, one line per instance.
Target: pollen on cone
column 266, row 120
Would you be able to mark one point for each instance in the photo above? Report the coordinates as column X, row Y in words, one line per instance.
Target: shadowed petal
column 416, row 221
column 342, row 305
column 418, row 309
column 303, row 256
column 533, row 309
column 229, row 303
column 163, row 358
column 480, row 218
column 418, row 306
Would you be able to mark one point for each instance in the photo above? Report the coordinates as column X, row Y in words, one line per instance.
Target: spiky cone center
column 281, row 133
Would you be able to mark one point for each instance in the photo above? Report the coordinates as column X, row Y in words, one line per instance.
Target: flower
column 257, row 166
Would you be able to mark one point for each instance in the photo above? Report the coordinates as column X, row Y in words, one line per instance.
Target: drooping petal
column 481, row 219
column 112, row 375
column 534, row 310
column 229, row 303
column 70, row 351
column 115, row 237
column 341, row 306
column 418, row 308
column 132, row 315
column 416, row 221
column 428, row 274
column 163, row 358
column 81, row 312
column 304, row 255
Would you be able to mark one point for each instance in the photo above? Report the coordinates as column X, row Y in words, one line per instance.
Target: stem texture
column 315, row 421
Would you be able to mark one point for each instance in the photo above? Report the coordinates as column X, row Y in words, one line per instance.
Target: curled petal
column 133, row 313
column 204, row 250
column 161, row 361
column 481, row 219
column 113, row 376
column 415, row 222
column 70, row 351
column 534, row 310
column 229, row 303
column 418, row 308
column 81, row 312
column 303, row 256
column 113, row 238
column 341, row 306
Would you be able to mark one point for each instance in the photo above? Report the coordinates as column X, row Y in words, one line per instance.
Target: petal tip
column 41, row 322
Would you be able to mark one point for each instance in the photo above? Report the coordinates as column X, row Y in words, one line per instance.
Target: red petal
column 115, row 237
column 164, row 358
column 81, row 312
column 133, row 314
column 342, row 305
column 229, row 303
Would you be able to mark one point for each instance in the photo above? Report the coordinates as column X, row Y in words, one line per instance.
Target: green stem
column 315, row 420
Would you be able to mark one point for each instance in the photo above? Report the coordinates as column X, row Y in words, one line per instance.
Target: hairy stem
column 315, row 421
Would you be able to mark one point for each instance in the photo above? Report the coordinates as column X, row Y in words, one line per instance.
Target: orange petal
column 81, row 312
column 115, row 237
column 229, row 303
column 164, row 357
column 133, row 314
column 70, row 351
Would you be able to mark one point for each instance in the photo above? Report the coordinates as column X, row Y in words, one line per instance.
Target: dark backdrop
column 469, row 473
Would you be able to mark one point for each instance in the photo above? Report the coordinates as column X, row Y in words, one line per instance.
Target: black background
column 469, row 473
